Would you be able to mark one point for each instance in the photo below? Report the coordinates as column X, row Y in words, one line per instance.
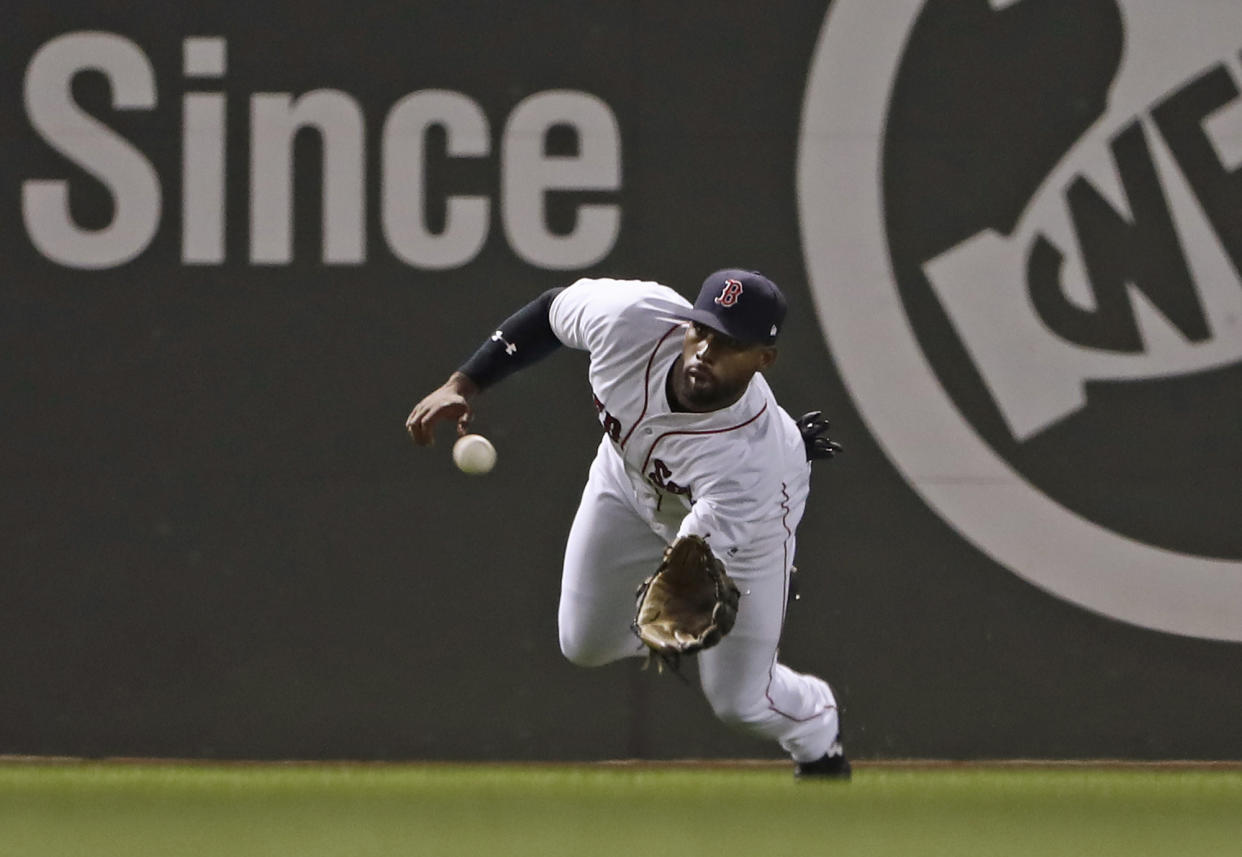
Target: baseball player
column 694, row 444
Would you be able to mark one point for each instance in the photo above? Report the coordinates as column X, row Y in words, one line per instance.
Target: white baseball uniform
column 738, row 477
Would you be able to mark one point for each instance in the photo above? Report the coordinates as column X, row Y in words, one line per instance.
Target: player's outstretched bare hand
column 450, row 401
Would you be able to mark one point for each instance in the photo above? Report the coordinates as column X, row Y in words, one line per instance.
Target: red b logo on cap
column 729, row 294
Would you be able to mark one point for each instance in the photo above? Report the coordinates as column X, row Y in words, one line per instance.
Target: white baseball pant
column 612, row 547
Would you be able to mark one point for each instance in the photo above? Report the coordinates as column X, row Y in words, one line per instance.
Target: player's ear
column 767, row 356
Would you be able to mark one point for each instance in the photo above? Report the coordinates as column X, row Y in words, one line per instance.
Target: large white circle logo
column 934, row 446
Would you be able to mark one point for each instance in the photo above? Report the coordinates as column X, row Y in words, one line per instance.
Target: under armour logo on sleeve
column 510, row 348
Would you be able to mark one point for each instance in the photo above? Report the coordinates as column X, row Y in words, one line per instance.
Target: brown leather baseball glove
column 688, row 605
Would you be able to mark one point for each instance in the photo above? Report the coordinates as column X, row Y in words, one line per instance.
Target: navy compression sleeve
column 522, row 339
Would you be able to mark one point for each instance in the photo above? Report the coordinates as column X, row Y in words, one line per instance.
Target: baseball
column 474, row 454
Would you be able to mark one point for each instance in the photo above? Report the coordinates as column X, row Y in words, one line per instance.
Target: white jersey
column 737, row 476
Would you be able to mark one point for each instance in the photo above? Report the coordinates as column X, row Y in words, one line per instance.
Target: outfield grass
column 128, row 810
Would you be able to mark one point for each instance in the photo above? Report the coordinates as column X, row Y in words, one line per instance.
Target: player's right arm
column 449, row 401
column 579, row 316
column 522, row 339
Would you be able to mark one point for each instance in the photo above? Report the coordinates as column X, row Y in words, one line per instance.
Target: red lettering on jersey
column 730, row 293
column 612, row 425
column 659, row 477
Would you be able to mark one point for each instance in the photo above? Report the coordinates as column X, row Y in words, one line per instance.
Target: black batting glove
column 813, row 426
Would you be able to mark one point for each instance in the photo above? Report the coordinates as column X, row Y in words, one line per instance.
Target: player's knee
column 582, row 652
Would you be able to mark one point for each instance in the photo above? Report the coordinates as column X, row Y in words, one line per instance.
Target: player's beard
column 702, row 391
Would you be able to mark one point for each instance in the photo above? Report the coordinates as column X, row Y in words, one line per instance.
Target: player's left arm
column 732, row 511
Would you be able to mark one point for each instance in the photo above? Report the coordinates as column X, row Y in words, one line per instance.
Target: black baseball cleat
column 830, row 766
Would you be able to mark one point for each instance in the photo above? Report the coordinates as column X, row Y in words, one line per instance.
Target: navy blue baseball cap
column 746, row 305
